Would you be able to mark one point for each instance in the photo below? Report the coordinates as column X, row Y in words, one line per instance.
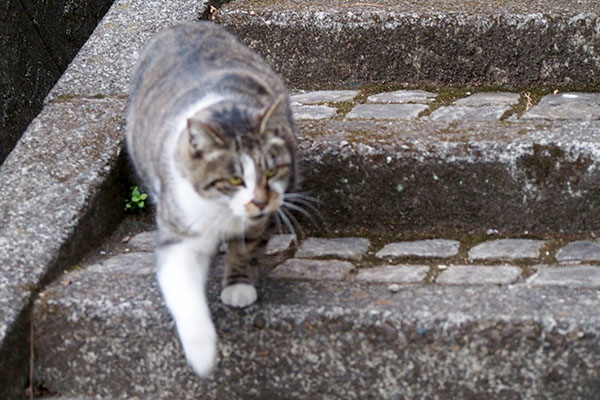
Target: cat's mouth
column 258, row 217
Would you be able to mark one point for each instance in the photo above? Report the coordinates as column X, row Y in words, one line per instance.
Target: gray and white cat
column 210, row 132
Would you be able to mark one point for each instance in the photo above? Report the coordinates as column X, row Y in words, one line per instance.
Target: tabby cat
column 210, row 132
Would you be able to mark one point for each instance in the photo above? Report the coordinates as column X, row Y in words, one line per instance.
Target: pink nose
column 260, row 204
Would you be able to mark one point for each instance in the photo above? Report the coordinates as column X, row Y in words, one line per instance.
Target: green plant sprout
column 137, row 200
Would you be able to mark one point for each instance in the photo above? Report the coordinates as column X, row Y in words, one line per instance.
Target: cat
column 210, row 133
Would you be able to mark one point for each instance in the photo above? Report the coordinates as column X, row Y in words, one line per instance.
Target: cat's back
column 190, row 55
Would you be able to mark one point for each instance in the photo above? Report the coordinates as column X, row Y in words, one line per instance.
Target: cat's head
column 241, row 156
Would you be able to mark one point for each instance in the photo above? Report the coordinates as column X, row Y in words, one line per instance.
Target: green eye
column 236, row 181
column 271, row 172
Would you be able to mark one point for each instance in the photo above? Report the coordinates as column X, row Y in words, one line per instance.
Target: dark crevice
column 41, row 37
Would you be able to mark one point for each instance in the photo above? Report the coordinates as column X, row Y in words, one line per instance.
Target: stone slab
column 317, row 44
column 294, row 268
column 145, row 241
column 386, row 111
column 324, row 96
column 394, row 274
column 420, row 248
column 507, row 249
column 479, row 275
column 107, row 336
column 54, row 188
column 309, row 112
column 278, row 244
column 577, row 106
column 105, row 63
column 579, row 251
column 461, row 113
column 574, row 277
column 489, row 99
column 345, row 248
column 403, row 96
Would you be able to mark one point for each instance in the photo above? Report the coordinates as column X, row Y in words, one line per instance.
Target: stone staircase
column 453, row 149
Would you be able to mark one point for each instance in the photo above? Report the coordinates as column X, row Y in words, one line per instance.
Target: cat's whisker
column 297, row 201
column 278, row 223
column 302, row 195
column 302, row 211
column 294, row 220
column 288, row 224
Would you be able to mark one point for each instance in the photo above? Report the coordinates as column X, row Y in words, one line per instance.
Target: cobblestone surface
column 579, row 251
column 386, row 111
column 479, row 275
column 507, row 249
column 421, row 248
column 294, row 268
column 346, row 248
column 403, row 96
column 324, row 96
column 333, row 259
column 394, row 274
column 457, row 113
column 409, row 104
column 579, row 276
column 566, row 106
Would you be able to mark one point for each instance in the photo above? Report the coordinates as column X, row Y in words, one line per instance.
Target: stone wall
column 38, row 39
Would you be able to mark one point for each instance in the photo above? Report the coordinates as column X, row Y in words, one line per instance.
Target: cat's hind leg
column 182, row 274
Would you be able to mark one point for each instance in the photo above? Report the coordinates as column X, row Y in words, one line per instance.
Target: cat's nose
column 261, row 204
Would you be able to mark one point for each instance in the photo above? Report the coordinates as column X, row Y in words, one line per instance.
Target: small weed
column 137, row 200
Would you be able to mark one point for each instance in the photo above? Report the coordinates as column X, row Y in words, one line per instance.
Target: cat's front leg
column 182, row 276
column 241, row 267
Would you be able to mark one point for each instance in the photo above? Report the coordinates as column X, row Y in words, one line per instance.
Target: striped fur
column 210, row 132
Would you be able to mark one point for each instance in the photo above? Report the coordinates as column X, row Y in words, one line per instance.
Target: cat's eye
column 236, row 180
column 271, row 172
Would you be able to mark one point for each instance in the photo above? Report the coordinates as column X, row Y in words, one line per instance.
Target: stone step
column 332, row 43
column 441, row 161
column 102, row 331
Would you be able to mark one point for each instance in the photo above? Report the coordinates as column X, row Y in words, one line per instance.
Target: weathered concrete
column 328, row 43
column 51, row 190
column 433, row 176
column 38, row 39
column 311, row 338
column 60, row 190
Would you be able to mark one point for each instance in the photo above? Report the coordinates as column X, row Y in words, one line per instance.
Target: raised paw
column 239, row 295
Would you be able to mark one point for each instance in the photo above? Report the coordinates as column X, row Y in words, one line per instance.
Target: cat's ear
column 201, row 136
column 269, row 112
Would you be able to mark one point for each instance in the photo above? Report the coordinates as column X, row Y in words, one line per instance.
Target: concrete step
column 374, row 176
column 332, row 43
column 403, row 322
column 429, row 162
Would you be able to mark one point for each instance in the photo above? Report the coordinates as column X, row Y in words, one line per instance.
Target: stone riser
column 339, row 45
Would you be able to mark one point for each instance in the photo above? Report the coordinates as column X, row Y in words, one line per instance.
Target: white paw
column 200, row 349
column 239, row 295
